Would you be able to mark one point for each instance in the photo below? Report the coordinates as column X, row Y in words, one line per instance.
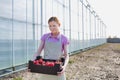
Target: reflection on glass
column 5, row 43
column 20, row 10
column 19, row 42
column 6, row 8
column 29, row 10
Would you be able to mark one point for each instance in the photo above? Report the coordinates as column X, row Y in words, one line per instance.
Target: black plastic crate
column 44, row 69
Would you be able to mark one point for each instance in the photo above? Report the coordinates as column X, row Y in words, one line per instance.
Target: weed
column 71, row 61
column 18, row 78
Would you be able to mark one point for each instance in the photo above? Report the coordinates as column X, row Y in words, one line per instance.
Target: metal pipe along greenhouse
column 23, row 22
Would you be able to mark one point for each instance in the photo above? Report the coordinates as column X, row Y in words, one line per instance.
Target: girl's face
column 54, row 27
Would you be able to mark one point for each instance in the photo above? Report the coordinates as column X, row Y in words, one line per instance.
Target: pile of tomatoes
column 46, row 63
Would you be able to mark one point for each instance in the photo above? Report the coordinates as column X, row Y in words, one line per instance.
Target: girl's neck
column 55, row 34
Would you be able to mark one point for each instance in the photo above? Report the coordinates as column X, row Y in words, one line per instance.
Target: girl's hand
column 63, row 70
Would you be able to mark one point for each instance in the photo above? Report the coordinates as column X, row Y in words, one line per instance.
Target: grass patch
column 18, row 78
column 71, row 61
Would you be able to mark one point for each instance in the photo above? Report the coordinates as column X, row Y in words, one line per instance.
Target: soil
column 99, row 63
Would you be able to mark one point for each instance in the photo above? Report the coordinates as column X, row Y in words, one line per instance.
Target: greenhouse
column 23, row 22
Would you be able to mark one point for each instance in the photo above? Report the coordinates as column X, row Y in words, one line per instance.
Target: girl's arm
column 40, row 48
column 66, row 56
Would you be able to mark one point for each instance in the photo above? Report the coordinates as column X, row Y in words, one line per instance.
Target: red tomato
column 36, row 62
column 51, row 64
column 47, row 63
column 43, row 63
column 40, row 61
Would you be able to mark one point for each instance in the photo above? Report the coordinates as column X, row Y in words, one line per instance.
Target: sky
column 109, row 13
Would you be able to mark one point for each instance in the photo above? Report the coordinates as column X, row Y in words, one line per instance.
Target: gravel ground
column 100, row 63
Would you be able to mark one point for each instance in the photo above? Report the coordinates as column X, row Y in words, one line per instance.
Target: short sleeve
column 43, row 38
column 65, row 40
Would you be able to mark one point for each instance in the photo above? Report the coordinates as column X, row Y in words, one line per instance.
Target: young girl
column 55, row 46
